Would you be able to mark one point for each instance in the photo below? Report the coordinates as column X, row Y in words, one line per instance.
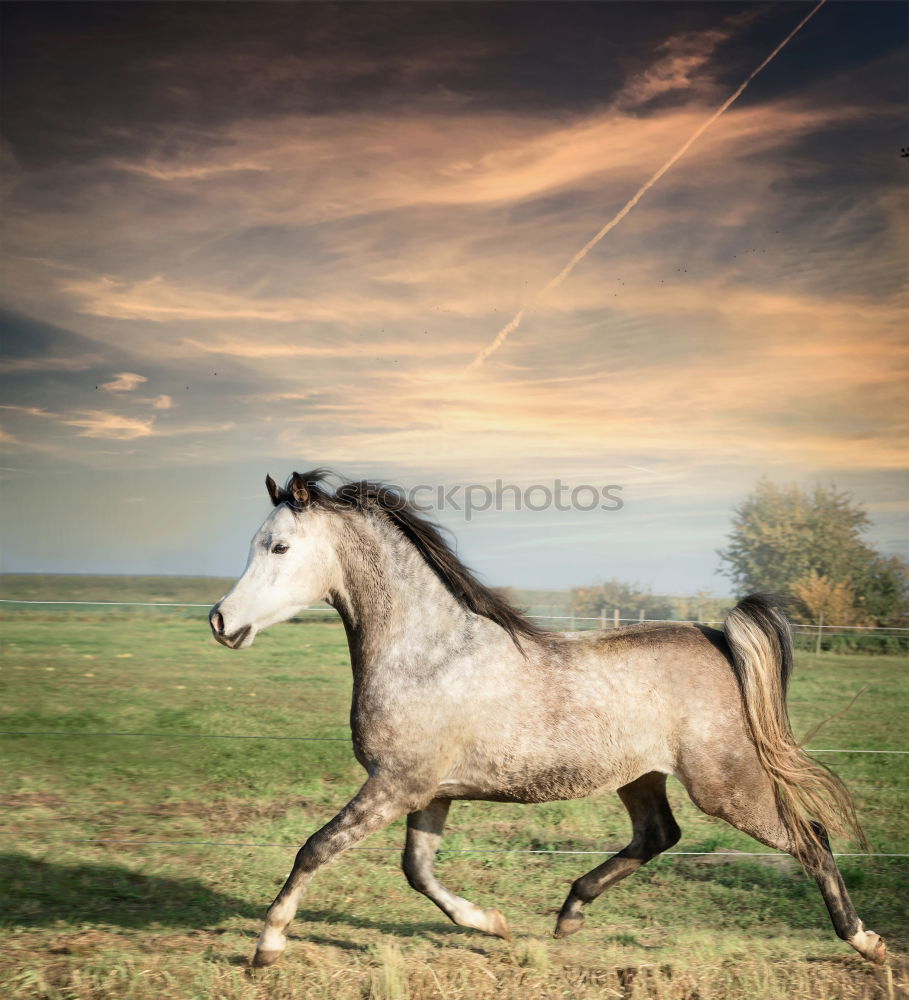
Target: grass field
column 177, row 916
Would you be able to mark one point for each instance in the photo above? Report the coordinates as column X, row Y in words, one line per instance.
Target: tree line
column 805, row 546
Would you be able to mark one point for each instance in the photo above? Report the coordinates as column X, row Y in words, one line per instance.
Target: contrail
column 515, row 321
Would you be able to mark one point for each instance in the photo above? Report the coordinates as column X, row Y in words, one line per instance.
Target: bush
column 856, row 642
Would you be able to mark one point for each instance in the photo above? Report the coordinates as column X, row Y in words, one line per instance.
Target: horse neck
column 389, row 599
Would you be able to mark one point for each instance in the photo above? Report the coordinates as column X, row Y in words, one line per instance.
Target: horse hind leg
column 746, row 800
column 845, row 920
column 654, row 830
column 424, row 831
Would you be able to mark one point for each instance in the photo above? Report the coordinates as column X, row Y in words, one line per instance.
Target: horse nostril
column 217, row 622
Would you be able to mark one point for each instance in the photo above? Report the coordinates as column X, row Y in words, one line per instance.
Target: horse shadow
column 41, row 893
column 342, row 922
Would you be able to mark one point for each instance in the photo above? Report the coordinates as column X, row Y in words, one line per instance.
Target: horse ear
column 273, row 490
column 299, row 489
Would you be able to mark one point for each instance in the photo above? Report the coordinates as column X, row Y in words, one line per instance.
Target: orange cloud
column 29, row 411
column 124, row 382
column 349, row 265
column 333, row 167
column 113, row 426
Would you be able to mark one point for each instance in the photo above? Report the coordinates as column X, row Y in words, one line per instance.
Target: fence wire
column 554, row 618
column 254, row 736
column 611, row 620
column 731, row 853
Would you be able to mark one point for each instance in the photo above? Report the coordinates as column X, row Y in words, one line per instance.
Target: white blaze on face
column 291, row 563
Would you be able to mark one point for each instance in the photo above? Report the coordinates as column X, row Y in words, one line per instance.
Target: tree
column 784, row 539
column 882, row 589
column 826, row 601
column 700, row 606
column 629, row 598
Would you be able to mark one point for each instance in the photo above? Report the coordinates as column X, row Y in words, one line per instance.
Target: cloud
column 41, row 431
column 330, row 174
column 719, row 375
column 161, row 299
column 191, row 173
column 13, row 366
column 112, row 426
column 220, row 427
column 322, row 168
column 682, row 62
column 28, row 411
column 345, row 264
column 94, row 423
column 124, row 382
column 9, row 439
column 272, row 348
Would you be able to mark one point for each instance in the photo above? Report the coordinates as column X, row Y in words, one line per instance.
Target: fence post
column 820, row 628
column 615, row 618
column 571, row 625
column 641, row 615
column 602, row 618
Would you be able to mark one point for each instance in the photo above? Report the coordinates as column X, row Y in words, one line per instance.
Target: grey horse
column 458, row 696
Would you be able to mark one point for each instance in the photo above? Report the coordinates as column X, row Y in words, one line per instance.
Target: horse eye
column 280, row 549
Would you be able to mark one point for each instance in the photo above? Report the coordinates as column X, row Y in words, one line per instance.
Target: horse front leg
column 378, row 803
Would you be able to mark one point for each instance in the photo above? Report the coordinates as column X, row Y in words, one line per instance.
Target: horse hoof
column 871, row 946
column 878, row 951
column 261, row 959
column 568, row 925
column 496, row 924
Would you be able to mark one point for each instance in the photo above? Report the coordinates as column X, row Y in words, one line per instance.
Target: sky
column 251, row 238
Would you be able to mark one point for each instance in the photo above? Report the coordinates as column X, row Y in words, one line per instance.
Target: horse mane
column 308, row 489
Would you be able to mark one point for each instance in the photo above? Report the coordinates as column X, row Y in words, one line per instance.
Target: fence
column 825, row 637
column 21, row 836
column 806, row 635
column 881, row 640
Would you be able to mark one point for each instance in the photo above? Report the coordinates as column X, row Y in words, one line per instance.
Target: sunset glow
column 251, row 238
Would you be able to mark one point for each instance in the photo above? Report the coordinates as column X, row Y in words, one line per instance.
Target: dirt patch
column 85, row 942
column 233, row 816
column 725, row 856
column 32, row 800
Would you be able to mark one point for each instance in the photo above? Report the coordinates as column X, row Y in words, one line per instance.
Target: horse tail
column 807, row 792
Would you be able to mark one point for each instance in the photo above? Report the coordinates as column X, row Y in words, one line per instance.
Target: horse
column 456, row 695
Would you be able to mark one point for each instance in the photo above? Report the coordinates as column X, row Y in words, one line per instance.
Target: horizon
column 202, row 576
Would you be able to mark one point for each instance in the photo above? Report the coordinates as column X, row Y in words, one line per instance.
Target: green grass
column 91, row 587
column 85, row 920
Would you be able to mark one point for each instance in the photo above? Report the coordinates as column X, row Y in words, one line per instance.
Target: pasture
column 140, row 866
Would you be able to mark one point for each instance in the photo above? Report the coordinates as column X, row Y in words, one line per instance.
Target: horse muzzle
column 233, row 640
